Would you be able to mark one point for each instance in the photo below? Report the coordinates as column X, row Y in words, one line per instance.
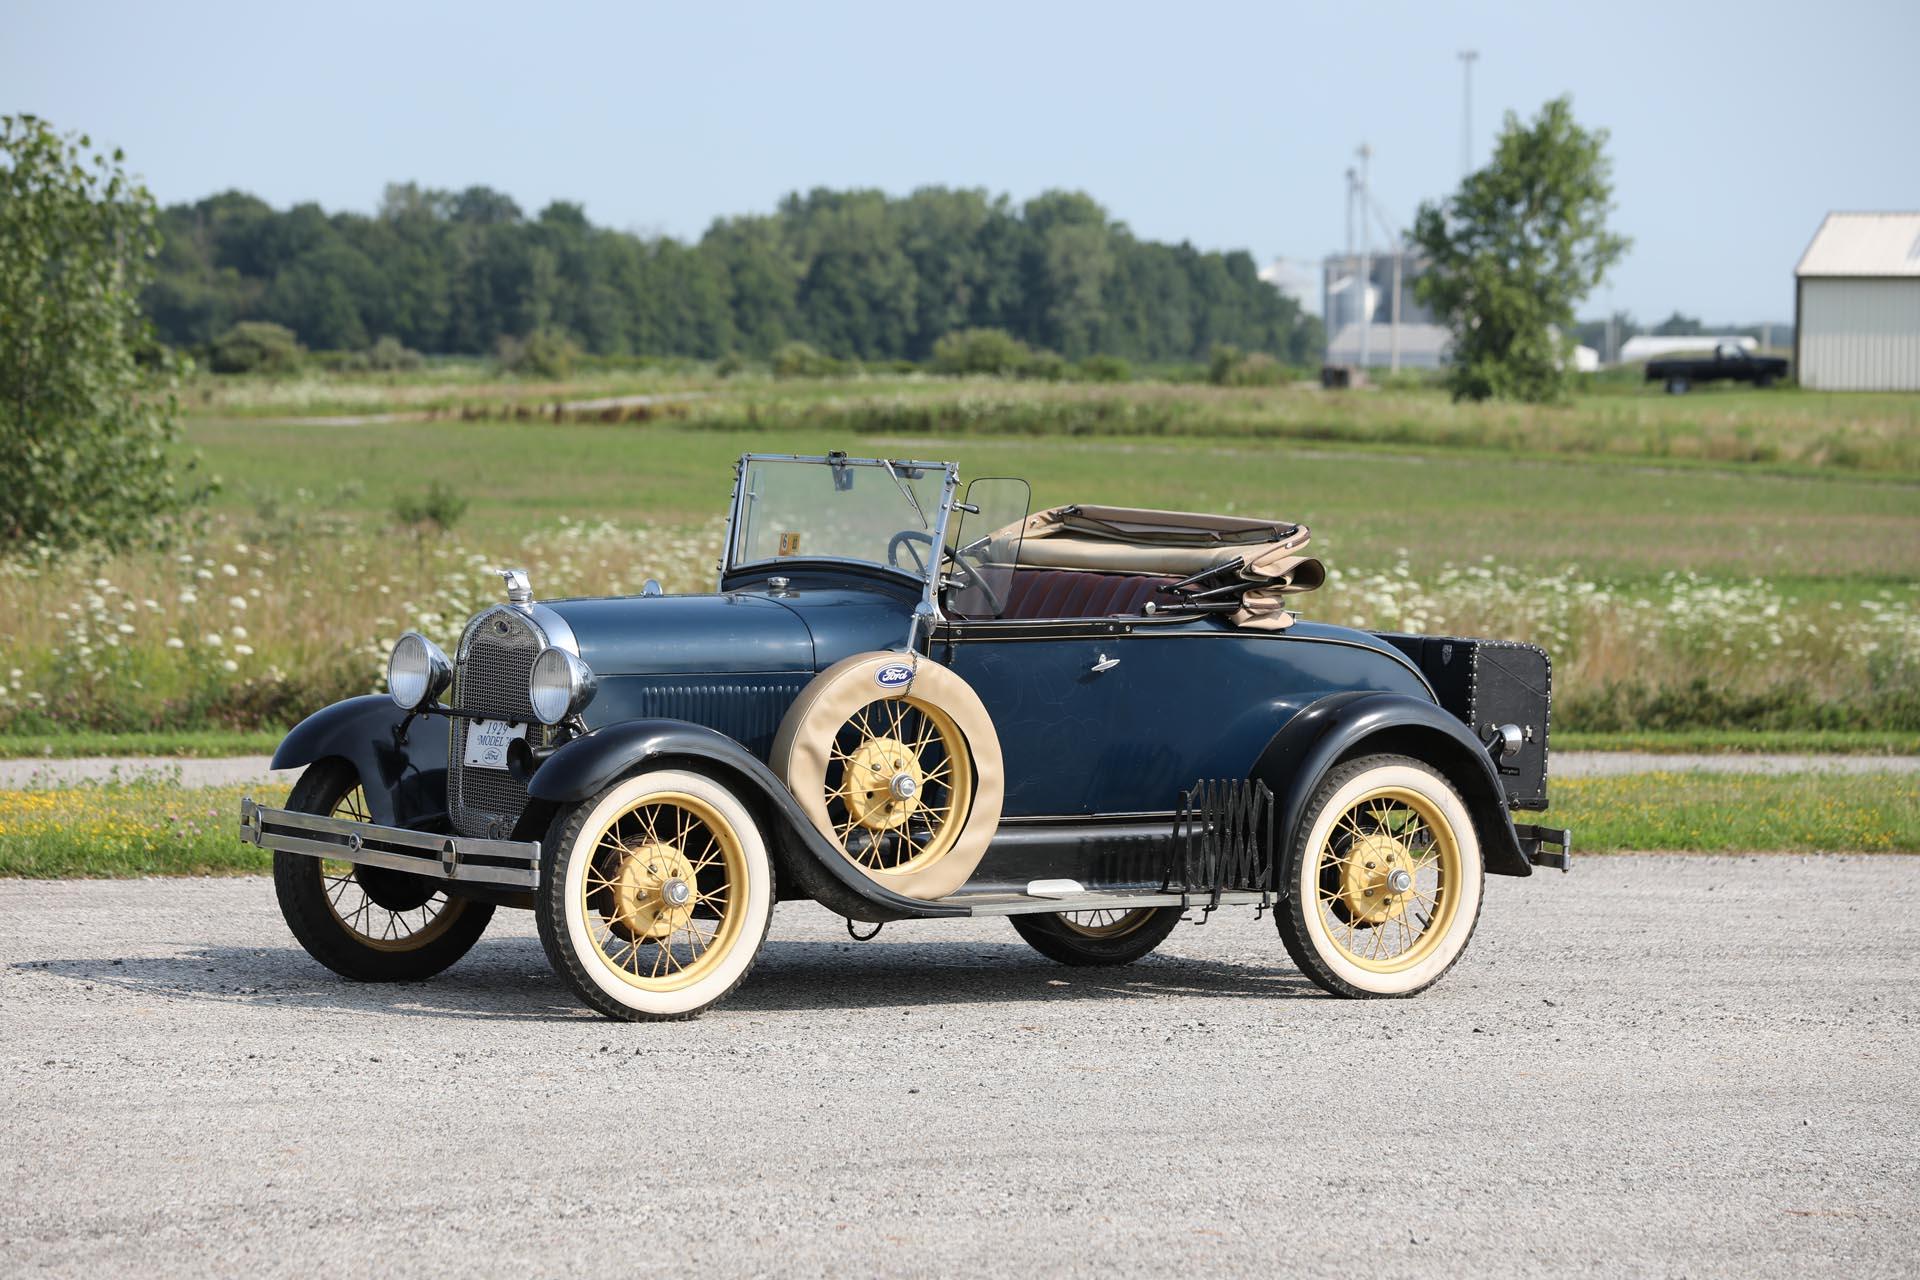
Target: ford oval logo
column 895, row 675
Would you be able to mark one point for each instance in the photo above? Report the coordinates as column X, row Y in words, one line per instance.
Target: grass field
column 1678, row 593
column 145, row 828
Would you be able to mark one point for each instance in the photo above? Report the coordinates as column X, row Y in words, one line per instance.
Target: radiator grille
column 490, row 680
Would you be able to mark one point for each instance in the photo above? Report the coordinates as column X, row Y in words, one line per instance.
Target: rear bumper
column 1533, row 840
column 508, row 864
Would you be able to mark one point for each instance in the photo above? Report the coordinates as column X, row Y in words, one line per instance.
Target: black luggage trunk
column 1487, row 683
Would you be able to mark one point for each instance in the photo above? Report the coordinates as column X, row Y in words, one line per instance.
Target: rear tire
column 1352, row 923
column 1678, row 386
column 1072, row 939
column 367, row 923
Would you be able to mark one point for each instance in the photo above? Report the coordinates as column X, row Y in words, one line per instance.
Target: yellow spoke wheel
column 384, row 910
column 367, row 923
column 895, row 762
column 898, row 782
column 655, row 895
column 1106, row 923
column 664, row 891
column 1385, row 878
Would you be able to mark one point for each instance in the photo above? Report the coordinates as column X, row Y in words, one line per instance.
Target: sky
column 1734, row 127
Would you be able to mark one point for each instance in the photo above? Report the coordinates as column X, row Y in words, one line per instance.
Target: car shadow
column 508, row 979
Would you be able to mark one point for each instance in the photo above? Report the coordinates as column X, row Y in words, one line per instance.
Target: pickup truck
column 1728, row 362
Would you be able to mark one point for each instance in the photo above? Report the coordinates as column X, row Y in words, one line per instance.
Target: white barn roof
column 1864, row 244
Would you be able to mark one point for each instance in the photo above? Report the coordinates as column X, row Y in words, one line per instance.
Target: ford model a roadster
column 906, row 703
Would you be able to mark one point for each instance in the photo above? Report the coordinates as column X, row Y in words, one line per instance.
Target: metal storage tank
column 1857, row 304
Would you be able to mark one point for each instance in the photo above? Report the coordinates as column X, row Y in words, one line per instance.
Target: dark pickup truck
column 1727, row 363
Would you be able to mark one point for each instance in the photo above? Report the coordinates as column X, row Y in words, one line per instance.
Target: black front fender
column 1344, row 725
column 405, row 780
column 589, row 764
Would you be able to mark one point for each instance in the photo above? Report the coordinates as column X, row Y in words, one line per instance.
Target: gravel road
column 1653, row 1066
column 237, row 770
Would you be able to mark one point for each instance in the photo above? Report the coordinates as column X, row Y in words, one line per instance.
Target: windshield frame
column 939, row 518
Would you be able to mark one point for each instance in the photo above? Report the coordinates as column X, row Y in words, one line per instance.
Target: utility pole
column 1366, row 259
column 1467, row 57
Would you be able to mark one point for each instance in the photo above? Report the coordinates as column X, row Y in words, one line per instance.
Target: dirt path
column 1690, row 1066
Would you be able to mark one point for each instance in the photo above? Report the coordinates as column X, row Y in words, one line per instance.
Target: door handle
column 1106, row 663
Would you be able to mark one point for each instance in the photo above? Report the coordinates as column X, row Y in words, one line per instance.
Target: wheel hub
column 652, row 893
column 882, row 784
column 1376, row 879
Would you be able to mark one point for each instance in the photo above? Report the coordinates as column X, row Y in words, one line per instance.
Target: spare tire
column 896, row 762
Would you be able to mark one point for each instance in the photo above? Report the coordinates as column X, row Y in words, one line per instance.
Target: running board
column 1020, row 904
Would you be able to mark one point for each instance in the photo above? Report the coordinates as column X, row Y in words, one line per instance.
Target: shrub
column 257, row 346
column 544, row 353
column 799, row 360
column 1232, row 367
column 729, row 364
column 388, row 355
column 440, row 506
column 1103, row 369
column 988, row 351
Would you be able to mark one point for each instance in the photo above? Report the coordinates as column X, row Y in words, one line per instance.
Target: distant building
column 1419, row 346
column 1295, row 278
column 1347, row 300
column 1857, row 304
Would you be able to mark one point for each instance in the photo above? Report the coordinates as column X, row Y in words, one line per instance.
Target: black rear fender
column 1345, row 725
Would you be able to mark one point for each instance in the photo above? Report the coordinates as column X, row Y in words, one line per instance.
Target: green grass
column 185, row 743
column 1739, row 813
column 152, row 829
column 139, row 828
column 1367, row 507
column 1745, row 741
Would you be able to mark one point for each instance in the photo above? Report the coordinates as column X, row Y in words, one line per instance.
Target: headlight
column 559, row 685
column 417, row 672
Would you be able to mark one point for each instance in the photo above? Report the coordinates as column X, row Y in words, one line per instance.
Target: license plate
column 488, row 740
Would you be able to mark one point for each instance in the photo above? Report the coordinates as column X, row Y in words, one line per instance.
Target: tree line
column 856, row 274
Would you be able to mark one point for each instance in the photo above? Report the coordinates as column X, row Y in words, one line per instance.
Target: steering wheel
column 971, row 566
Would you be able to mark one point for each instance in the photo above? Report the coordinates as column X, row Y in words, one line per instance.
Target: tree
column 1679, row 326
column 84, row 424
column 1514, row 249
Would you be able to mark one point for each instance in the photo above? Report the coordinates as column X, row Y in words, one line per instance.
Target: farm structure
column 1857, row 304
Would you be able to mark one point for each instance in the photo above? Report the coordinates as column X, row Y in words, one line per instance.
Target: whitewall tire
column 655, row 895
column 1386, row 879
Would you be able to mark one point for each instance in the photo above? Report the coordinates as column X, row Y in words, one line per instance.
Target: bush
column 1232, row 367
column 729, row 365
column 388, row 355
column 440, row 506
column 988, row 351
column 799, row 360
column 1103, row 369
column 257, row 346
column 544, row 353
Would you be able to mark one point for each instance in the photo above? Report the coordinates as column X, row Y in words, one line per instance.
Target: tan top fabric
column 1176, row 543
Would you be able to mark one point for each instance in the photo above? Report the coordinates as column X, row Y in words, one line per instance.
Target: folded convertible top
column 1253, row 561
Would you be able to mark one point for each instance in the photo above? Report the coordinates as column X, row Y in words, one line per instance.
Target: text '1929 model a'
column 903, row 703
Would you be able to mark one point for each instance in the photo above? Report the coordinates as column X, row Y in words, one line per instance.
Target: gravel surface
column 236, row 770
column 1653, row 1066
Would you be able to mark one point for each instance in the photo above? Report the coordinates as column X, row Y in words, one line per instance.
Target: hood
column 685, row 635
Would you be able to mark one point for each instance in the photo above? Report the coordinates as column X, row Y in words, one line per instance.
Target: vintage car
column 902, row 703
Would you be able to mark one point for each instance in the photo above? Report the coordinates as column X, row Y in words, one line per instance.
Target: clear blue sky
column 1735, row 126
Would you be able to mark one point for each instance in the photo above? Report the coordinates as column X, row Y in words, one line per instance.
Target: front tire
column 1088, row 939
column 1386, row 879
column 655, row 895
column 367, row 923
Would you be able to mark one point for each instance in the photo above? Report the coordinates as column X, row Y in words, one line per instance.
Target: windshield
column 881, row 513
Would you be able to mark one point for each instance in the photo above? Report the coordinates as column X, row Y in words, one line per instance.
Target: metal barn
column 1857, row 304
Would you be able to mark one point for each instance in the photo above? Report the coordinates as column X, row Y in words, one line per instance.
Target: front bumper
column 508, row 864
